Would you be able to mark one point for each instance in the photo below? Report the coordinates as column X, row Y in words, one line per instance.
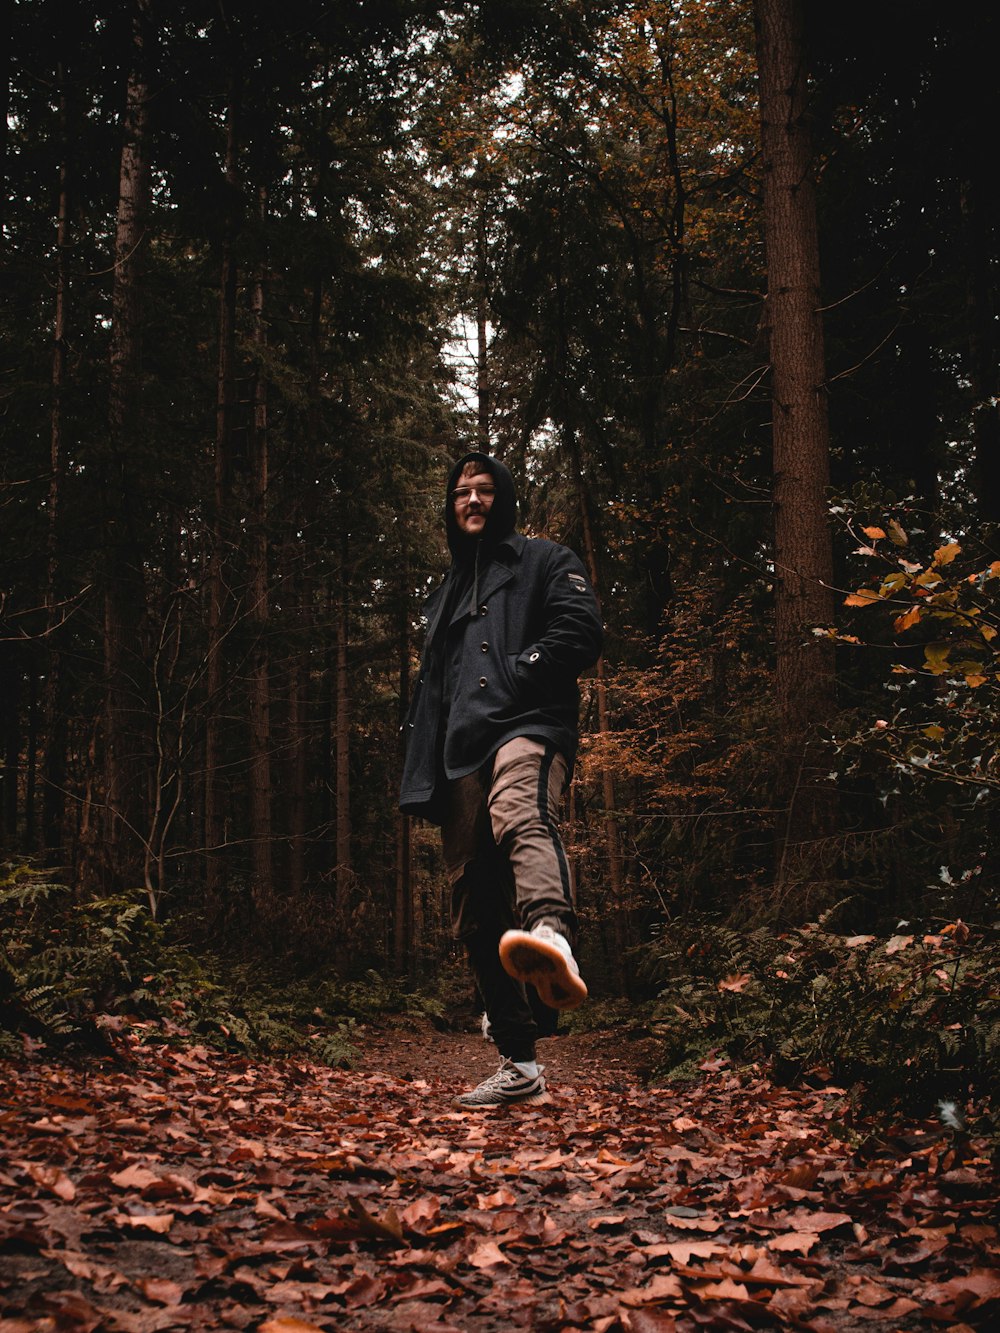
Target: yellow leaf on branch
column 897, row 534
column 936, row 658
column 944, row 555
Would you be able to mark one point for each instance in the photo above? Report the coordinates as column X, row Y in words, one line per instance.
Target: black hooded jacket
column 510, row 629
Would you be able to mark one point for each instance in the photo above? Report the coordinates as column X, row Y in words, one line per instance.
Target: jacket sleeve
column 572, row 632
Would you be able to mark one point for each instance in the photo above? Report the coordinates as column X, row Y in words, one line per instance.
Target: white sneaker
column 507, row 1087
column 543, row 958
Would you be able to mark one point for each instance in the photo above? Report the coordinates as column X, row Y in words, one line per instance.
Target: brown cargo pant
column 508, row 869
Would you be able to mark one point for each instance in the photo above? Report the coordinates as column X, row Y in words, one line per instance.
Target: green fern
column 904, row 1022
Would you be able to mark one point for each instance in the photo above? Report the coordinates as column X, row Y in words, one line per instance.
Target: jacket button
column 482, row 682
column 483, row 609
column 484, row 647
column 533, row 657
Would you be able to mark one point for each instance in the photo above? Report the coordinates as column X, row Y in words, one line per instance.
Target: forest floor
column 186, row 1189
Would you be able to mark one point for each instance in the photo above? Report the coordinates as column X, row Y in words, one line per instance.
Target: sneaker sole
column 543, row 966
column 534, row 1099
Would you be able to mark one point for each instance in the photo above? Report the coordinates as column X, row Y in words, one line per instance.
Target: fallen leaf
column 725, row 1289
column 663, row 1287
column 737, row 982
column 135, row 1177
column 158, row 1222
column 648, row 1319
column 487, row 1255
column 794, row 1242
column 387, row 1227
column 288, row 1324
column 160, row 1289
column 52, row 1179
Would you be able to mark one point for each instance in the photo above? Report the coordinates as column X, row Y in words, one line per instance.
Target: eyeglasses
column 463, row 494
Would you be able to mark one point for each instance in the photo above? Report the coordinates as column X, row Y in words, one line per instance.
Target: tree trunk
column 55, row 700
column 260, row 682
column 612, row 839
column 10, row 736
column 803, row 554
column 342, row 745
column 213, row 832
column 299, row 676
column 123, row 563
column 298, row 705
column 403, row 914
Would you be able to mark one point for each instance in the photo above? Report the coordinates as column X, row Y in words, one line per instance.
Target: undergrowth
column 906, row 1020
column 79, row 974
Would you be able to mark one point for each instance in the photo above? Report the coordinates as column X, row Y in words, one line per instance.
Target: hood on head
column 503, row 512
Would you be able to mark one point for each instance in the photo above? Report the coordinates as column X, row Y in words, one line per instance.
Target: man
column 491, row 740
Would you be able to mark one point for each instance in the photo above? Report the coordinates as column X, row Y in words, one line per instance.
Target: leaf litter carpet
column 184, row 1189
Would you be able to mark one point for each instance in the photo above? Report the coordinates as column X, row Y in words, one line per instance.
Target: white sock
column 529, row 1068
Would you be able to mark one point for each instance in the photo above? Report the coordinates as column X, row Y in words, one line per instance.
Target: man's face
column 472, row 498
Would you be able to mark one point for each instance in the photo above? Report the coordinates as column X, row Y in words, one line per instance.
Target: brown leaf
column 501, row 1198
column 794, row 1242
column 160, row 1290
column 387, row 1227
column 724, row 1289
column 158, row 1222
column 908, row 619
column 682, row 1251
column 135, row 1177
column 648, row 1319
column 805, row 1220
column 423, row 1288
column 706, row 1224
column 363, row 1291
column 801, row 1177
column 425, row 1210
column 663, row 1287
column 52, row 1179
column 967, row 1290
column 487, row 1255
column 288, row 1324
column 737, row 982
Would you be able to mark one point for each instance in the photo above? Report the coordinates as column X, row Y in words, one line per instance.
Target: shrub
column 906, row 1019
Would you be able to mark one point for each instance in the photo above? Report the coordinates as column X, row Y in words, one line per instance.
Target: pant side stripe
column 544, row 774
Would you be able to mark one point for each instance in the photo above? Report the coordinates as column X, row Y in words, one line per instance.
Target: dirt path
column 189, row 1190
column 613, row 1060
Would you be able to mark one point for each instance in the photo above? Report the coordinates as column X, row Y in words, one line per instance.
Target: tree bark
column 403, row 914
column 342, row 745
column 123, row 562
column 214, row 827
column 803, row 553
column 55, row 693
column 260, row 674
column 612, row 838
column 298, row 706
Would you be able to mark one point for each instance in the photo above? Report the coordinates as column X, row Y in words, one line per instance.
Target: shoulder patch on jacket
column 578, row 582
